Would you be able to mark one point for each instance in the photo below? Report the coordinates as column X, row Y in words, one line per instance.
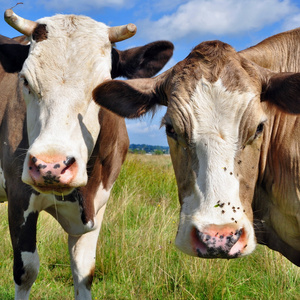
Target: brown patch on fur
column 212, row 56
column 90, row 279
column 40, row 33
column 214, row 60
column 107, row 158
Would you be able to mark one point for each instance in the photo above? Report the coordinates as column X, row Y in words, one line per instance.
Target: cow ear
column 130, row 98
column 12, row 54
column 141, row 62
column 283, row 90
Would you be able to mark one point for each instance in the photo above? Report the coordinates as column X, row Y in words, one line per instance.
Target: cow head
column 68, row 57
column 218, row 106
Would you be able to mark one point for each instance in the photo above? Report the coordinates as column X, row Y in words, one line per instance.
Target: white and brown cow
column 233, row 128
column 59, row 152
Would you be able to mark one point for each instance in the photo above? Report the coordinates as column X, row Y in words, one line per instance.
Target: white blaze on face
column 216, row 115
column 59, row 76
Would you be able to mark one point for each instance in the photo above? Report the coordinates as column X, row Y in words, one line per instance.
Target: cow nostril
column 70, row 160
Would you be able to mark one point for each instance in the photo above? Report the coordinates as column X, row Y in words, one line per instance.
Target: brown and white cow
column 59, row 152
column 233, row 128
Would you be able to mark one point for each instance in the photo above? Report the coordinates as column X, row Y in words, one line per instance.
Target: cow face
column 68, row 57
column 217, row 109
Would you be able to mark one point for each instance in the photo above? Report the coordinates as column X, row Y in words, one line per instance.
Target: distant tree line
column 143, row 149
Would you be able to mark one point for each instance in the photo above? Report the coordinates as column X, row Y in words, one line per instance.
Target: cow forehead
column 62, row 26
column 210, row 110
column 76, row 51
column 212, row 87
column 217, row 110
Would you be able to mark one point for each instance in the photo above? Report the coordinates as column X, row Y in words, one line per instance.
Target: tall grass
column 136, row 256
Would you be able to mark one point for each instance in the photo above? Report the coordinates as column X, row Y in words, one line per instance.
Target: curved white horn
column 22, row 25
column 120, row 33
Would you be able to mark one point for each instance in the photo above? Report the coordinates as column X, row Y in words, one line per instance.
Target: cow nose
column 215, row 241
column 59, row 172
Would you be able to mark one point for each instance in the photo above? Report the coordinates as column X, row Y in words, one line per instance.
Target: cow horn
column 22, row 25
column 120, row 33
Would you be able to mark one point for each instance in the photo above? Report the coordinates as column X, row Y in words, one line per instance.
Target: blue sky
column 241, row 23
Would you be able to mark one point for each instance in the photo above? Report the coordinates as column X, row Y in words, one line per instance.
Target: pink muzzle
column 52, row 173
column 219, row 241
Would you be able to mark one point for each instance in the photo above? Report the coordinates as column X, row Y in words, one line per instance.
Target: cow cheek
column 90, row 126
column 182, row 160
column 246, row 171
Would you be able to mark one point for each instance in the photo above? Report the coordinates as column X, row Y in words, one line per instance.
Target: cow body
column 59, row 152
column 233, row 130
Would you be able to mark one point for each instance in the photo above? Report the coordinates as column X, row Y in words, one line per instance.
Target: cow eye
column 170, row 131
column 25, row 81
column 259, row 129
column 26, row 84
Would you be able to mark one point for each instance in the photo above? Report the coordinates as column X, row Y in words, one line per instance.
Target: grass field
column 136, row 256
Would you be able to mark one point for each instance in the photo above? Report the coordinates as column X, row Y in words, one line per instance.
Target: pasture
column 136, row 256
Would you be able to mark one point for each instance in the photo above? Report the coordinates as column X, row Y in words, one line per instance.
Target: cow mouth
column 55, row 190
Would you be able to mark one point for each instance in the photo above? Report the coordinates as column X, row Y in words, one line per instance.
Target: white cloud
column 292, row 22
column 142, row 127
column 217, row 17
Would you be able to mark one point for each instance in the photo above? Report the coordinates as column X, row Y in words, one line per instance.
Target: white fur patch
column 216, row 115
column 31, row 264
column 31, row 260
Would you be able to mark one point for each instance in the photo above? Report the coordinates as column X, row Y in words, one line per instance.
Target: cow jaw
column 62, row 120
column 213, row 220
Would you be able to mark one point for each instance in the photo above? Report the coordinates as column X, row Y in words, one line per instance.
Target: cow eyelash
column 170, row 131
column 25, row 81
column 26, row 84
column 259, row 129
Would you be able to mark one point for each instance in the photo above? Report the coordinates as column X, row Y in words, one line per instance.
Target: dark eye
column 259, row 129
column 25, row 82
column 170, row 131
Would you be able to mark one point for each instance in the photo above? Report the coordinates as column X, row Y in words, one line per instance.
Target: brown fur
column 40, row 33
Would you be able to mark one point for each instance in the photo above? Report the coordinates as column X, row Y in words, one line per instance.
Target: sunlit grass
column 136, row 256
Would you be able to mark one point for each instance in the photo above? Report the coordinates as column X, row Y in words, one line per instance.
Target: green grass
column 136, row 256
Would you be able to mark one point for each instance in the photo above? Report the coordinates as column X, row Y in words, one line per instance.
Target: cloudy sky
column 241, row 23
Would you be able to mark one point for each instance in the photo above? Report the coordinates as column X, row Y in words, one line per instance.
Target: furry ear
column 141, row 62
column 134, row 97
column 12, row 54
column 283, row 90
column 129, row 99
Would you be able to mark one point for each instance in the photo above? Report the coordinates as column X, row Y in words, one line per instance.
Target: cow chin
column 55, row 190
column 227, row 241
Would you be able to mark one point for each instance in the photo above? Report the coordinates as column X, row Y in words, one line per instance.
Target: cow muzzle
column 52, row 176
column 216, row 241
